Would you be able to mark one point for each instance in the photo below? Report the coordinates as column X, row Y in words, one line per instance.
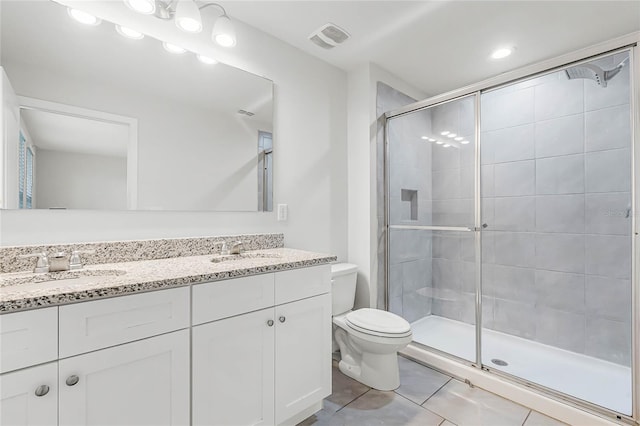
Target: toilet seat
column 376, row 322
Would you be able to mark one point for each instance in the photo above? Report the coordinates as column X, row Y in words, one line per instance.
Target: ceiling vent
column 329, row 36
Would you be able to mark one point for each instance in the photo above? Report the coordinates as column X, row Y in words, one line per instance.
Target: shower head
column 594, row 72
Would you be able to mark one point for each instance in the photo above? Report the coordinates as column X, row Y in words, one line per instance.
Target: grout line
column 354, row 399
column 526, row 418
column 438, row 390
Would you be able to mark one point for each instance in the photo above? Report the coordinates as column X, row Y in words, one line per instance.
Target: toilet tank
column 343, row 287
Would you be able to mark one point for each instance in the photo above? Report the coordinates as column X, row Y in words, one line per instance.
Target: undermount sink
column 59, row 278
column 227, row 257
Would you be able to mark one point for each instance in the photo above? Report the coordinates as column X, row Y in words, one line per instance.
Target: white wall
column 362, row 170
column 97, row 181
column 309, row 156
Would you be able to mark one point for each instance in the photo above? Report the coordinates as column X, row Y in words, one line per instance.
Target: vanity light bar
column 88, row 19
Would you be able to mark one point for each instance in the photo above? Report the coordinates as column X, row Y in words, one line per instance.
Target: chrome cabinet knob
column 270, row 323
column 282, row 319
column 72, row 380
column 42, row 390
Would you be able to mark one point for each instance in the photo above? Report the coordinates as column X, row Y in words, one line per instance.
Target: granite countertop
column 20, row 291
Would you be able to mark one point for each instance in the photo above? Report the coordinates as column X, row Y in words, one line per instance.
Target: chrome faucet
column 58, row 261
column 237, row 247
column 42, row 264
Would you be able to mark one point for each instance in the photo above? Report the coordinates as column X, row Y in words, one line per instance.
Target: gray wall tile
column 500, row 110
column 561, row 329
column 514, row 214
column 514, row 249
column 608, row 171
column 515, row 318
column 609, row 298
column 606, row 213
column 560, row 213
column 609, row 340
column 560, row 290
column 558, row 98
column 609, row 256
column 608, row 128
column 560, row 252
column 509, row 144
column 560, row 136
column 560, row 175
column 514, row 179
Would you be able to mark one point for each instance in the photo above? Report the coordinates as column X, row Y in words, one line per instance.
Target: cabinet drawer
column 28, row 338
column 94, row 325
column 222, row 299
column 301, row 283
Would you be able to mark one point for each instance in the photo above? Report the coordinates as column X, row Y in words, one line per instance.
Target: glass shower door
column 556, row 253
column 431, row 184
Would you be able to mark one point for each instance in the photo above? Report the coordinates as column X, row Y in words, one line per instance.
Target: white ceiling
column 439, row 46
column 58, row 132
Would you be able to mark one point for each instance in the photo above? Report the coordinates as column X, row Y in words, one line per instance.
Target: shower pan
column 509, row 218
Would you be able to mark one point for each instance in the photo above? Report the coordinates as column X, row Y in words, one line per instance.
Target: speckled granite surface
column 130, row 251
column 113, row 279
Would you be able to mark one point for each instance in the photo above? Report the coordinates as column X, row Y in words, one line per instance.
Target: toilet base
column 378, row 371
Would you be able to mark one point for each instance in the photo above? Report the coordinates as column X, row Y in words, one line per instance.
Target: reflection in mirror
column 190, row 129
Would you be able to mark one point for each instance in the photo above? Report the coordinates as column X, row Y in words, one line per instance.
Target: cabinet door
column 20, row 404
column 233, row 374
column 303, row 355
column 140, row 383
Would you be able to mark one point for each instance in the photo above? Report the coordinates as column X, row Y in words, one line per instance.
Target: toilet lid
column 378, row 321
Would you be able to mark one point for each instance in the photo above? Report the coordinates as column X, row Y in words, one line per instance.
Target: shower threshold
column 591, row 379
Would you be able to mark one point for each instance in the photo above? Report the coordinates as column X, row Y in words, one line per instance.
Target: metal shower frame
column 628, row 43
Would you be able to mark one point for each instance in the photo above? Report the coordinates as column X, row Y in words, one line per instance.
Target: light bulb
column 207, row 60
column 445, row 133
column 223, row 32
column 83, row 17
column 146, row 7
column 188, row 17
column 501, row 53
column 172, row 48
column 129, row 33
column 424, row 138
column 451, row 135
column 459, row 138
column 439, row 142
column 446, row 145
column 464, row 142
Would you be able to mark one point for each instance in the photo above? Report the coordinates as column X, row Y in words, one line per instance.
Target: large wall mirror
column 95, row 120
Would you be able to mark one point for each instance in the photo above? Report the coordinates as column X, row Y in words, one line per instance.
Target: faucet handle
column 42, row 264
column 224, row 250
column 75, row 262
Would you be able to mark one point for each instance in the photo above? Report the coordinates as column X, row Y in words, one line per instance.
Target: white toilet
column 369, row 339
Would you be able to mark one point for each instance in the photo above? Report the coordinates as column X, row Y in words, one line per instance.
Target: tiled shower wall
column 556, row 182
column 410, row 261
column 556, row 195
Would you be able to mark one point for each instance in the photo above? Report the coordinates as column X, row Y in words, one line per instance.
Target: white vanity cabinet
column 254, row 350
column 29, row 396
column 140, row 383
column 267, row 366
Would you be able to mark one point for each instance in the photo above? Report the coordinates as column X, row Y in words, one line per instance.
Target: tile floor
column 425, row 398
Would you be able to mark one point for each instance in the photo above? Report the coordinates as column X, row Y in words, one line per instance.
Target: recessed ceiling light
column 424, row 138
column 431, row 140
column 501, row 53
column 129, row 33
column 459, row 138
column 446, row 145
column 451, row 135
column 83, row 17
column 445, row 133
column 142, row 6
column 207, row 60
column 464, row 142
column 439, row 142
column 172, row 48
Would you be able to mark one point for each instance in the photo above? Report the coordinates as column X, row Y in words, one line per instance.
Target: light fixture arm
column 224, row 12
